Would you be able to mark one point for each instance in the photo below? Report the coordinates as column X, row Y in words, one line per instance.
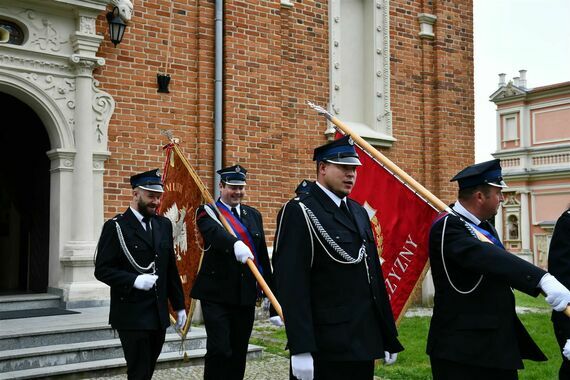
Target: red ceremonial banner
column 182, row 196
column 401, row 221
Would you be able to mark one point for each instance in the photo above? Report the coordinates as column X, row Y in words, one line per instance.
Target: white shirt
column 230, row 207
column 463, row 211
column 335, row 198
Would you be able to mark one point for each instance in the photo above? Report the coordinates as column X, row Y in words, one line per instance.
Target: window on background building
column 11, row 33
column 510, row 130
column 360, row 67
column 513, row 227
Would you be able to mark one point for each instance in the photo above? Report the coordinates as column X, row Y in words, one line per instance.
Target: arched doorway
column 24, row 200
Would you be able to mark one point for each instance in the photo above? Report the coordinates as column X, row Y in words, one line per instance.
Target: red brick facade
column 275, row 59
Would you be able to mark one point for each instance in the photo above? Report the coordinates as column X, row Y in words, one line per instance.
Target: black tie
column 146, row 222
column 236, row 214
column 345, row 209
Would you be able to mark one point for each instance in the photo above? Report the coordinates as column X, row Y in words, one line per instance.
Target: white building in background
column 533, row 144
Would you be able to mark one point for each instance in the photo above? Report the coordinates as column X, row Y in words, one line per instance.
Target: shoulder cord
column 151, row 267
column 209, row 210
column 308, row 228
column 279, row 224
column 445, row 267
column 309, row 215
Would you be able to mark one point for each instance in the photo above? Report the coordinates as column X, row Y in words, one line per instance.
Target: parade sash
column 241, row 231
column 483, row 231
column 488, row 235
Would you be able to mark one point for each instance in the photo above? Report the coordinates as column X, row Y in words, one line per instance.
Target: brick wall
column 275, row 60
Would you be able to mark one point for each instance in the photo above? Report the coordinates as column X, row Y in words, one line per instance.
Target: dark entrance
column 24, row 199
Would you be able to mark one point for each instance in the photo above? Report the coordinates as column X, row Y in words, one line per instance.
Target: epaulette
column 301, row 197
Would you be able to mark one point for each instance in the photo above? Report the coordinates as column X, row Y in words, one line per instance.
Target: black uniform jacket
column 559, row 266
column 222, row 278
column 131, row 308
column 479, row 328
column 331, row 309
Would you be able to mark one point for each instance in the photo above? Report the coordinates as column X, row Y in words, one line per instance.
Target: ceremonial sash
column 241, row 231
column 483, row 231
column 488, row 235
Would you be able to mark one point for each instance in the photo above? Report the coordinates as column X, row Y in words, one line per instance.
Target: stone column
column 80, row 288
column 525, row 228
column 499, row 223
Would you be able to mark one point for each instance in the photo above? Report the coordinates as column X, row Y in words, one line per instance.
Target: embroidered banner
column 183, row 194
column 401, row 221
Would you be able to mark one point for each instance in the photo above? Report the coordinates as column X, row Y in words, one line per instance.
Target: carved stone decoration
column 427, row 21
column 125, row 8
column 47, row 37
column 103, row 107
column 511, row 200
column 87, row 25
column 60, row 89
column 28, row 63
column 509, row 90
column 542, row 243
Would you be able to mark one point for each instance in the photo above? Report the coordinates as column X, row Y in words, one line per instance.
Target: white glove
column 566, row 350
column 276, row 321
column 302, row 366
column 242, row 252
column 389, row 358
column 557, row 295
column 181, row 320
column 145, row 281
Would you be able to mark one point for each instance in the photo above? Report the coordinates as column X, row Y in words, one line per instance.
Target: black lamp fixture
column 116, row 26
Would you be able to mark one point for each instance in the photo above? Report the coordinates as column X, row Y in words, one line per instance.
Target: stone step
column 51, row 336
column 71, row 353
column 29, row 301
column 109, row 367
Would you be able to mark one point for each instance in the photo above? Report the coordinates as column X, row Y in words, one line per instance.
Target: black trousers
column 141, row 348
column 336, row 370
column 442, row 369
column 228, row 328
column 564, row 371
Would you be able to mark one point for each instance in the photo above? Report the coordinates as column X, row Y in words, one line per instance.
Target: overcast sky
column 511, row 35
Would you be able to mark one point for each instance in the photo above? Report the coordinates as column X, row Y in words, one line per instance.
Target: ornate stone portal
column 51, row 70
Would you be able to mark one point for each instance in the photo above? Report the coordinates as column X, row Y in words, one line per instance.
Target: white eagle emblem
column 178, row 229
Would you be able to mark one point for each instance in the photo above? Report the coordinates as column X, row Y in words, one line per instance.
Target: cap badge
column 238, row 169
column 350, row 141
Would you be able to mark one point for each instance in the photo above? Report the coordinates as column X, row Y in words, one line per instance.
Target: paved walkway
column 270, row 367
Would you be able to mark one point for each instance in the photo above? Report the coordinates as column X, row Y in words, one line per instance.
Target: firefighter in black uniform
column 135, row 257
column 559, row 266
column 328, row 278
column 226, row 288
column 475, row 332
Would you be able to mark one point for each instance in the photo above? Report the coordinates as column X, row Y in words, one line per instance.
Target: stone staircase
column 81, row 345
